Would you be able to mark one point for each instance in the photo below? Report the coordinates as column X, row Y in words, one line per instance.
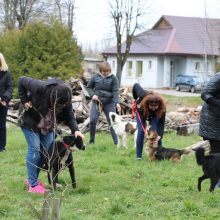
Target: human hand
column 3, row 103
column 27, row 105
column 95, row 98
column 78, row 133
column 156, row 140
column 118, row 107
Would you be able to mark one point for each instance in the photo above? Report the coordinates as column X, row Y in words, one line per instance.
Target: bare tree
column 126, row 16
column 66, row 13
column 17, row 13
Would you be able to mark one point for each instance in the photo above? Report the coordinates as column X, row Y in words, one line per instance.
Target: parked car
column 189, row 82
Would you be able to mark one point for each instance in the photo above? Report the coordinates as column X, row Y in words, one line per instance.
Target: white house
column 174, row 45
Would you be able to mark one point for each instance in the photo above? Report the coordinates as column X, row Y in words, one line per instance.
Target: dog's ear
column 113, row 117
column 69, row 140
column 79, row 143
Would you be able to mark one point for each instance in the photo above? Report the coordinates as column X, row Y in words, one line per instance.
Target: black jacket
column 209, row 126
column 38, row 92
column 138, row 94
column 5, row 86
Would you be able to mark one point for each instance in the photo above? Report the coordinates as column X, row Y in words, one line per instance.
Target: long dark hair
column 152, row 96
column 61, row 94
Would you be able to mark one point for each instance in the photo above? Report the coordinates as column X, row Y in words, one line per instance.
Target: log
column 186, row 130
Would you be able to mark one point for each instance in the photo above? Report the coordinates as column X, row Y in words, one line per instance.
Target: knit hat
column 61, row 94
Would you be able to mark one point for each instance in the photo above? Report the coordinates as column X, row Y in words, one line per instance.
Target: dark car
column 189, row 82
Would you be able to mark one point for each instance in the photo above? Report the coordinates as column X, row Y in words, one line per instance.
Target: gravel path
column 176, row 93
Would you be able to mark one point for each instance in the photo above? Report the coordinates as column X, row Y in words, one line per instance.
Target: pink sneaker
column 39, row 183
column 37, row 189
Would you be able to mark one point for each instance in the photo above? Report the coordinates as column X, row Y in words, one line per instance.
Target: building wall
column 149, row 71
column 163, row 70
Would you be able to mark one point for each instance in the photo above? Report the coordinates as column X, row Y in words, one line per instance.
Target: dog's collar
column 66, row 145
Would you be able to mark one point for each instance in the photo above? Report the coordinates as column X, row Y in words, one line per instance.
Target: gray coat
column 106, row 88
column 209, row 127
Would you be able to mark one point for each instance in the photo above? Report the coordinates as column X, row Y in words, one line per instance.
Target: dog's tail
column 192, row 148
column 200, row 155
column 185, row 151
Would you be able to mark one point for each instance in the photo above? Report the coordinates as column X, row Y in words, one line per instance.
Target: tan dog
column 157, row 152
column 152, row 145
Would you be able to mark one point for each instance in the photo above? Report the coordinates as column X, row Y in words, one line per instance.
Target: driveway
column 176, row 93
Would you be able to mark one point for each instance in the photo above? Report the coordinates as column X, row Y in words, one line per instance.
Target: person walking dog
column 148, row 106
column 43, row 105
column 103, row 88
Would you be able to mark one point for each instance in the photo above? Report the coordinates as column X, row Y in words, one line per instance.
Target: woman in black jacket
column 5, row 96
column 209, row 126
column 44, row 104
column 150, row 107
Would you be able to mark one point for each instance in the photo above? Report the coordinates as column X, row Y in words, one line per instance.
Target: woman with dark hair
column 149, row 106
column 44, row 104
column 5, row 96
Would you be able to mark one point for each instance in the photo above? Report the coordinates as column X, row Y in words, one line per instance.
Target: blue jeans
column 140, row 134
column 94, row 116
column 36, row 143
column 3, row 115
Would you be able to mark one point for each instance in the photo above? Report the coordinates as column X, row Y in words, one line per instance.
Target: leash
column 135, row 111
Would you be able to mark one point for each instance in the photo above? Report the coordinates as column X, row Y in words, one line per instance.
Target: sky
column 93, row 26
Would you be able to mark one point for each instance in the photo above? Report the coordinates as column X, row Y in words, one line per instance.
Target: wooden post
column 56, row 209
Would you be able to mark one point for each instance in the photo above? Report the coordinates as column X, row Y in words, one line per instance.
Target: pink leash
column 135, row 110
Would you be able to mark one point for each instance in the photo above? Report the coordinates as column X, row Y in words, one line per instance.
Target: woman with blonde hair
column 5, row 96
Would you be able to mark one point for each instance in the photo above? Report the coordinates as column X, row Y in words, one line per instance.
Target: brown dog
column 157, row 152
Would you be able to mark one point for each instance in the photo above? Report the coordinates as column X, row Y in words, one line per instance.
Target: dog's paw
column 58, row 186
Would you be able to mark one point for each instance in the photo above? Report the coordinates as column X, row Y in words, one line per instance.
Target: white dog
column 122, row 129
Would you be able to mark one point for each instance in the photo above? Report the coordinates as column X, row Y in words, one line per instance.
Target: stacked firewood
column 81, row 104
column 184, row 120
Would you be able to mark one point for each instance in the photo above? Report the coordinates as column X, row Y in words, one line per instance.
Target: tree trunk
column 119, row 71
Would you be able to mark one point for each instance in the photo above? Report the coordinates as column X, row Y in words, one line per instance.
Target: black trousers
column 3, row 115
column 215, row 146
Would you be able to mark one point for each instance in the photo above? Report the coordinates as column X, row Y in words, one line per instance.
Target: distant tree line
column 37, row 45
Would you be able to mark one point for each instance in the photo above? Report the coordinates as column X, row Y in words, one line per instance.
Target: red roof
column 177, row 35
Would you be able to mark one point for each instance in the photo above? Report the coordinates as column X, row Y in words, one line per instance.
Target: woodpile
column 81, row 104
column 184, row 120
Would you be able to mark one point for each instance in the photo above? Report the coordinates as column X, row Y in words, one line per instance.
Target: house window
column 150, row 64
column 130, row 66
column 113, row 65
column 139, row 69
column 197, row 66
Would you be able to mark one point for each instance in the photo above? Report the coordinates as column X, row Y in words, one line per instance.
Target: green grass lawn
column 174, row 102
column 112, row 184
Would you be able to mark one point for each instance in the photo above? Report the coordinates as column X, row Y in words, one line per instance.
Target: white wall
column 201, row 71
column 159, row 75
column 149, row 76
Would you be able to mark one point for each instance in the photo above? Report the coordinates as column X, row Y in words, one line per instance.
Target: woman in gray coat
column 103, row 88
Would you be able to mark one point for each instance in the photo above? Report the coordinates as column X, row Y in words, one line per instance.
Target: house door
column 171, row 74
